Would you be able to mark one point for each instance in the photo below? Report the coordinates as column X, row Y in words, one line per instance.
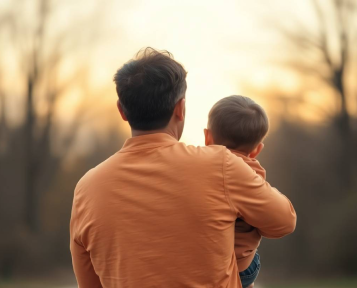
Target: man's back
column 157, row 214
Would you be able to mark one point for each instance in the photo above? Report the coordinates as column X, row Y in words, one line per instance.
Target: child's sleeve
column 255, row 201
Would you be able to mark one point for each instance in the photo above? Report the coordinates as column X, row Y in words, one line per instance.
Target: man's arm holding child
column 255, row 201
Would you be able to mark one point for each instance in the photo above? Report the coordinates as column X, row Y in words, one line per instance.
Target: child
column 240, row 124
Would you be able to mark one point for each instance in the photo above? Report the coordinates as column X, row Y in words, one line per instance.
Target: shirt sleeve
column 255, row 165
column 82, row 265
column 83, row 268
column 255, row 201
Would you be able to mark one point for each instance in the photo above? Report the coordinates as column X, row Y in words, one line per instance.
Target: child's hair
column 238, row 122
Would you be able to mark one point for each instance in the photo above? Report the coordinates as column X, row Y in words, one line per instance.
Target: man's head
column 238, row 123
column 151, row 90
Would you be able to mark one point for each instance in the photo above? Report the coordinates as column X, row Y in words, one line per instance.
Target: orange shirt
column 247, row 238
column 159, row 213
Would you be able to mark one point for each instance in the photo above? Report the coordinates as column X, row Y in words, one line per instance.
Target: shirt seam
column 226, row 192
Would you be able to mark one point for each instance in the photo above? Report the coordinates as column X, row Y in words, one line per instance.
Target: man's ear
column 120, row 108
column 180, row 109
column 256, row 151
column 208, row 137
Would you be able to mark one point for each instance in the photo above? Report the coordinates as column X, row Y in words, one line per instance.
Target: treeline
column 305, row 162
column 302, row 161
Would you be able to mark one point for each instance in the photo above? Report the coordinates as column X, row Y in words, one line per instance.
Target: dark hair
column 238, row 122
column 149, row 87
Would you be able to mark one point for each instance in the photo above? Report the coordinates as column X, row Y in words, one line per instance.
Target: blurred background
column 58, row 117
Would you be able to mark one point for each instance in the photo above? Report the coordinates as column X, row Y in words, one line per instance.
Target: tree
column 328, row 55
column 33, row 148
column 41, row 48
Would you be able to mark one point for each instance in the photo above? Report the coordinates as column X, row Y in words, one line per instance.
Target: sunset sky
column 226, row 49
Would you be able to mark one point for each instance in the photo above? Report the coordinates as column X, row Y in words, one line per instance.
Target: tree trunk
column 343, row 126
column 31, row 203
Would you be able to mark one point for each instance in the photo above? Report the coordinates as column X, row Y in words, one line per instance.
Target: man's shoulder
column 214, row 152
column 209, row 150
column 203, row 153
column 91, row 176
column 204, row 158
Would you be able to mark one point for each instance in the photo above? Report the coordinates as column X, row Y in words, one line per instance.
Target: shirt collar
column 148, row 141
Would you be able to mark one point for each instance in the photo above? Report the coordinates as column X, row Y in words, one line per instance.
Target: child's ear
column 208, row 137
column 256, row 151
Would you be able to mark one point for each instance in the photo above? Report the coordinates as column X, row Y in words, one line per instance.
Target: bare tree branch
column 335, row 27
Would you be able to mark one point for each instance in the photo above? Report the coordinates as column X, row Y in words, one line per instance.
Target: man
column 159, row 213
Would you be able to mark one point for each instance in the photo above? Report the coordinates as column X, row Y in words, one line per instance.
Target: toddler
column 240, row 124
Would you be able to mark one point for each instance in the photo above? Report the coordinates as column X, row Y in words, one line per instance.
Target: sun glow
column 224, row 48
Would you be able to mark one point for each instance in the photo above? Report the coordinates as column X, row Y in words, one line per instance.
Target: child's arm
column 255, row 201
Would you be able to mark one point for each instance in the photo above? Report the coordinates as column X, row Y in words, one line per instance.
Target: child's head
column 238, row 123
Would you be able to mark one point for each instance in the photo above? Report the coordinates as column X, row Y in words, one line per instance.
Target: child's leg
column 249, row 275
